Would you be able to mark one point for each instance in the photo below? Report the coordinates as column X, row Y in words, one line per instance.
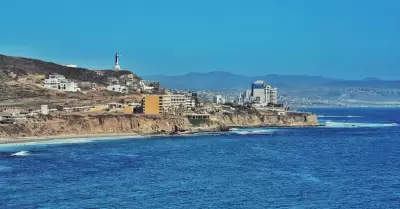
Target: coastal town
column 130, row 95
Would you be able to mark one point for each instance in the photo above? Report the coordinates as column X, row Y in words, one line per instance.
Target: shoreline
column 111, row 136
column 108, row 136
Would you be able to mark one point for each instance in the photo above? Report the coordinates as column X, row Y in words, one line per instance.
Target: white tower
column 116, row 65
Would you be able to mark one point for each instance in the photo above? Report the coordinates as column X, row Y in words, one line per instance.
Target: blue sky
column 338, row 38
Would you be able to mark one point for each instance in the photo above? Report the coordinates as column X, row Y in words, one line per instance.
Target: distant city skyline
column 332, row 38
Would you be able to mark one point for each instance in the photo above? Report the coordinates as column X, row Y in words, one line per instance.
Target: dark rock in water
column 223, row 128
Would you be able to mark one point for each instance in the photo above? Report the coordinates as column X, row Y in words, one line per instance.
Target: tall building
column 260, row 92
column 240, row 99
column 219, row 99
column 247, row 96
column 274, row 96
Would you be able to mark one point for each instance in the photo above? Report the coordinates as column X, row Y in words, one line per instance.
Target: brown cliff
column 143, row 124
column 268, row 118
column 98, row 124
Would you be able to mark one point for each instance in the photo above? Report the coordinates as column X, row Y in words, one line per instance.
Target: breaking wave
column 338, row 116
column 358, row 125
column 21, row 153
column 252, row 131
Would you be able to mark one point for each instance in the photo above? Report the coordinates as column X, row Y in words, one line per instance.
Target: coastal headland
column 117, row 125
column 42, row 101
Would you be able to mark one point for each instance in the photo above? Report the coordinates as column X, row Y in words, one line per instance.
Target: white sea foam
column 253, row 131
column 64, row 141
column 338, row 116
column 358, row 125
column 21, row 153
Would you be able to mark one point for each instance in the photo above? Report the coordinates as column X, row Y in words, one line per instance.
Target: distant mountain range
column 225, row 81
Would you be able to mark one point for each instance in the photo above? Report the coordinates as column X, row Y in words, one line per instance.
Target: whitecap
column 21, row 153
column 338, row 116
column 253, row 131
column 357, row 125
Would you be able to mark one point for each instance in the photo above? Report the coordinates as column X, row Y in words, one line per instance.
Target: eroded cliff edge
column 267, row 118
column 144, row 124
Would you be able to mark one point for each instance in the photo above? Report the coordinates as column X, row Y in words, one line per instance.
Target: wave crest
column 358, row 125
column 338, row 116
column 21, row 153
column 256, row 131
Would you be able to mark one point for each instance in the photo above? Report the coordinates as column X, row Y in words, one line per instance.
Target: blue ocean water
column 353, row 162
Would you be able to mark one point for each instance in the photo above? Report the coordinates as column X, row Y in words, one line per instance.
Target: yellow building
column 96, row 109
column 128, row 109
column 152, row 104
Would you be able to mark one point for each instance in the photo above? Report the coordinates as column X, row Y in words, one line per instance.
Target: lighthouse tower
column 116, row 65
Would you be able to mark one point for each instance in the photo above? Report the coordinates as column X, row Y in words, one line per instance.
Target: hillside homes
column 59, row 82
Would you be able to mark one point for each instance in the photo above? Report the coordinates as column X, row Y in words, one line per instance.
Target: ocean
column 352, row 162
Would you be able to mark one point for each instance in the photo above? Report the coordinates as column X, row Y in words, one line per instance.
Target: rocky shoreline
column 128, row 125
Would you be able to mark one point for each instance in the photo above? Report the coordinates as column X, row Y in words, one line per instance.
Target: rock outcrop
column 269, row 118
column 98, row 124
column 144, row 124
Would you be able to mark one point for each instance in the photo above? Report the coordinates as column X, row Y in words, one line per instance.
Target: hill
column 366, row 83
column 20, row 80
column 225, row 81
column 12, row 68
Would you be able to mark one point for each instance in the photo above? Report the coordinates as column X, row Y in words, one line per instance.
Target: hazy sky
column 339, row 38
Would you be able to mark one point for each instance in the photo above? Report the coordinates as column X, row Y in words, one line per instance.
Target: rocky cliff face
column 99, row 124
column 108, row 124
column 266, row 119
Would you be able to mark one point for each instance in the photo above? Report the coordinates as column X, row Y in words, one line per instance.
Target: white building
column 73, row 66
column 44, row 109
column 172, row 102
column 274, row 96
column 260, row 94
column 247, row 96
column 117, row 88
column 58, row 82
column 146, row 85
column 239, row 100
column 219, row 99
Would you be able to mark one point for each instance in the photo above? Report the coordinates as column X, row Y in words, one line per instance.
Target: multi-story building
column 152, row 105
column 260, row 94
column 117, row 88
column 219, row 99
column 58, row 82
column 247, row 96
column 274, row 96
column 163, row 104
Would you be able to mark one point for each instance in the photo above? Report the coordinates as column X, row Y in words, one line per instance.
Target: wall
column 128, row 110
column 151, row 105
